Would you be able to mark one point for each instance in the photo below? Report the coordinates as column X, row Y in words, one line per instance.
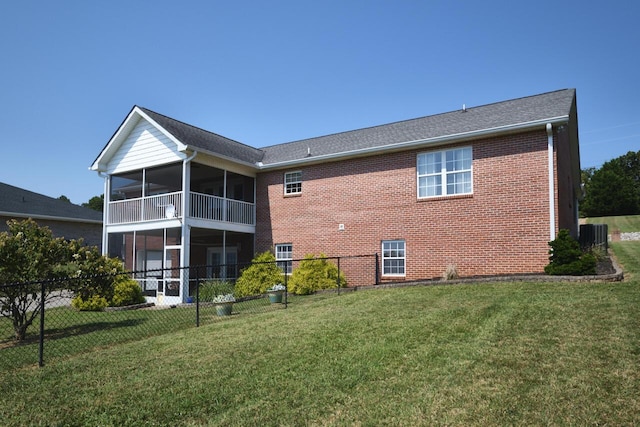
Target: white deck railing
column 166, row 206
column 214, row 208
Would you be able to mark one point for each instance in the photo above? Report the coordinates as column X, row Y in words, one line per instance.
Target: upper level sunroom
column 162, row 173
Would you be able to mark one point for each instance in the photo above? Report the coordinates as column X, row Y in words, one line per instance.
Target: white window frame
column 453, row 163
column 394, row 250
column 284, row 257
column 292, row 183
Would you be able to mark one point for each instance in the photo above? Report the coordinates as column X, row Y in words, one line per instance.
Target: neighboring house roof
column 20, row 203
column 501, row 117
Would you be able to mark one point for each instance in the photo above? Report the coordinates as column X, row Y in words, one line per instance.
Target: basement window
column 393, row 257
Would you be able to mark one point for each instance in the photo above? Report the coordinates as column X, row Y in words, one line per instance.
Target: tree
column 28, row 253
column 64, row 199
column 96, row 203
column 614, row 189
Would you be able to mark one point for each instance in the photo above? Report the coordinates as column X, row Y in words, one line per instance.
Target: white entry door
column 172, row 275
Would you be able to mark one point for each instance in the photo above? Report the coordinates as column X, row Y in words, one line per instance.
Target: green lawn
column 475, row 354
column 625, row 224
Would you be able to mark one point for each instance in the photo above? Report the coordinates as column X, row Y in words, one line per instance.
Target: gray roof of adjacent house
column 452, row 126
column 22, row 203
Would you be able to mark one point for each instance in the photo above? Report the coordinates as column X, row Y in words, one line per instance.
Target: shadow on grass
column 72, row 331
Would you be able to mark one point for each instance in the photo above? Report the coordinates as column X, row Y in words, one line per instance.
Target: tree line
column 613, row 189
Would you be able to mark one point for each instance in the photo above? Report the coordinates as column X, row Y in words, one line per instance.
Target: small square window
column 293, row 182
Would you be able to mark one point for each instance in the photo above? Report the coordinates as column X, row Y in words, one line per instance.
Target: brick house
column 64, row 219
column 483, row 189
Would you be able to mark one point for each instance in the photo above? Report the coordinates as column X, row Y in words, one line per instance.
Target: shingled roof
column 470, row 122
column 500, row 115
column 201, row 139
column 22, row 203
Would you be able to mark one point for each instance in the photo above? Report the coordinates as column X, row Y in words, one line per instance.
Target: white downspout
column 552, row 190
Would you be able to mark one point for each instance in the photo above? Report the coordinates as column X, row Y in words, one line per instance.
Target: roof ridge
column 412, row 119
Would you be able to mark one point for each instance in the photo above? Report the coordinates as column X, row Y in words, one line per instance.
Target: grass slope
column 625, row 224
column 490, row 354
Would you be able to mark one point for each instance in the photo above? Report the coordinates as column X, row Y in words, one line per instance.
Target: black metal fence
column 54, row 329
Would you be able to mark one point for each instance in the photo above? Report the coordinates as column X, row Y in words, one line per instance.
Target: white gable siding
column 145, row 146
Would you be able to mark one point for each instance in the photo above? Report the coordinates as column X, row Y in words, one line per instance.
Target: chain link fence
column 40, row 314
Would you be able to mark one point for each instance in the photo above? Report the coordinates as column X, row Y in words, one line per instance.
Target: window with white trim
column 293, row 182
column 445, row 173
column 284, row 257
column 393, row 258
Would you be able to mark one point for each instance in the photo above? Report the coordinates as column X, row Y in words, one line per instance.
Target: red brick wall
column 502, row 228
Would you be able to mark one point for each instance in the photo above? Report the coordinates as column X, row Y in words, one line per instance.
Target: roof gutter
column 464, row 136
column 50, row 217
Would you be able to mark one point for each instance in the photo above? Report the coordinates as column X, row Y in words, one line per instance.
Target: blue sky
column 269, row 72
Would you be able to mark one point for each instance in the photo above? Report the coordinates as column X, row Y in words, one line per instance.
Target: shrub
column 566, row 257
column 126, row 292
column 93, row 303
column 210, row 289
column 314, row 274
column 451, row 272
column 262, row 274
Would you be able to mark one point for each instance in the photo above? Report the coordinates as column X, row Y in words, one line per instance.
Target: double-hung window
column 444, row 173
column 293, row 183
column 393, row 258
column 284, row 257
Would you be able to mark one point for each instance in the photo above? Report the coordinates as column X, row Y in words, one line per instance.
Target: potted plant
column 275, row 293
column 224, row 304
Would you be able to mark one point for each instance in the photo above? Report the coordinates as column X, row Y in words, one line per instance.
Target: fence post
column 286, row 288
column 41, row 343
column 377, row 269
column 197, row 296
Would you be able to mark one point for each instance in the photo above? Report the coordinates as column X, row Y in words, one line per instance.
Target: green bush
column 93, row 303
column 214, row 287
column 126, row 292
column 314, row 274
column 262, row 274
column 567, row 259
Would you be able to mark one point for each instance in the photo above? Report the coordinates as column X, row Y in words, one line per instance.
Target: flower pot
column 275, row 297
column 224, row 309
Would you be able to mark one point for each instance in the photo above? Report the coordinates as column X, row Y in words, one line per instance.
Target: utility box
column 594, row 235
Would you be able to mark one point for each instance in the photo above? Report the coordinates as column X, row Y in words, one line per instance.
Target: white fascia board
column 50, row 217
column 439, row 140
column 114, row 141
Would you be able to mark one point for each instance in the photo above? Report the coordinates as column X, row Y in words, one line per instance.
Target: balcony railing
column 167, row 206
column 205, row 206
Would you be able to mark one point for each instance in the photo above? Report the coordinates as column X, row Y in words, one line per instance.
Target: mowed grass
column 485, row 354
column 626, row 224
